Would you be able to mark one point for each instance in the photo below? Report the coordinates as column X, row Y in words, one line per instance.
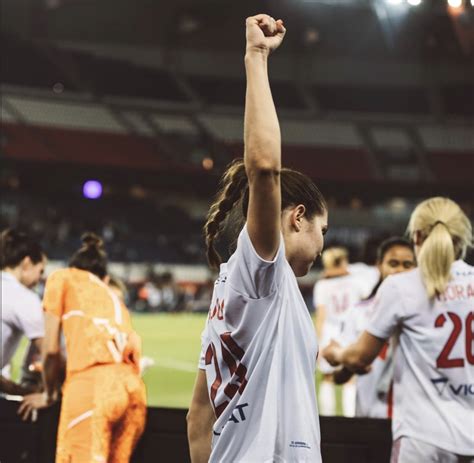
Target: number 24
column 443, row 360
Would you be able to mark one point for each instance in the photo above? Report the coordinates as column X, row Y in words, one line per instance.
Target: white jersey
column 336, row 294
column 373, row 396
column 434, row 365
column 21, row 314
column 259, row 351
column 367, row 276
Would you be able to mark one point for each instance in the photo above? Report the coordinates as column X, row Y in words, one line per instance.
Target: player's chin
column 303, row 269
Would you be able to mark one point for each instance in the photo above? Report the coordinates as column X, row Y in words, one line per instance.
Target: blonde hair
column 447, row 233
column 333, row 257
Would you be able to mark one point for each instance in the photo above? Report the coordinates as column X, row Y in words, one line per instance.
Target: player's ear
column 106, row 279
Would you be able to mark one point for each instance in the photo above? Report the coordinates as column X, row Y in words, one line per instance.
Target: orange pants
column 102, row 415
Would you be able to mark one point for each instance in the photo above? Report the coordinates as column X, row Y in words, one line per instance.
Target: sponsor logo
column 443, row 387
column 295, row 444
column 237, row 416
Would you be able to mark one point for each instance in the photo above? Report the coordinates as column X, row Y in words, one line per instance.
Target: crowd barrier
column 344, row 440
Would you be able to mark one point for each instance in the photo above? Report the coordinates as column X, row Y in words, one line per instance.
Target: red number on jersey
column 230, row 354
column 443, row 360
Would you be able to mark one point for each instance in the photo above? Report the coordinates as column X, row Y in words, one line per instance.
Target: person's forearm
column 199, row 441
column 261, row 127
column 7, row 386
column 52, row 370
column 354, row 358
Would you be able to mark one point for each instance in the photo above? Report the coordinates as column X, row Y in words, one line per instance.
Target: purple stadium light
column 92, row 189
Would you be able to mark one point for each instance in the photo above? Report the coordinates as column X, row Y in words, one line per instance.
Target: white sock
column 349, row 399
column 327, row 398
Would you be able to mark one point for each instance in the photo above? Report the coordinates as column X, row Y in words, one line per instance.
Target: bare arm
column 320, row 319
column 357, row 356
column 52, row 364
column 262, row 137
column 200, row 420
column 8, row 386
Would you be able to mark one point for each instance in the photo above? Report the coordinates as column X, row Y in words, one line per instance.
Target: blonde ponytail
column 446, row 233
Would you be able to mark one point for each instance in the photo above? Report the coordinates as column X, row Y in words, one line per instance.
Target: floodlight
column 455, row 3
column 92, row 189
column 414, row 2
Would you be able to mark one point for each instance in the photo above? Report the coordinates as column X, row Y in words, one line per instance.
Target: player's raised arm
column 262, row 137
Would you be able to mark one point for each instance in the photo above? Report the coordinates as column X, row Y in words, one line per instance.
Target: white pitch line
column 177, row 365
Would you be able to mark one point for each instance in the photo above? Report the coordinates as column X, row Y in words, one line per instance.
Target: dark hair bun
column 91, row 240
column 10, row 235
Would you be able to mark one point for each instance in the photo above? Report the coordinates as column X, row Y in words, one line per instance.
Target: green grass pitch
column 173, row 341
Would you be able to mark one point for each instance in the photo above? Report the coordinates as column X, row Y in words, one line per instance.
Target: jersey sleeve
column 54, row 294
column 252, row 276
column 388, row 309
column 30, row 319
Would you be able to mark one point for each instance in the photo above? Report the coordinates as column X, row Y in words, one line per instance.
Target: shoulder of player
column 409, row 283
column 28, row 298
column 462, row 269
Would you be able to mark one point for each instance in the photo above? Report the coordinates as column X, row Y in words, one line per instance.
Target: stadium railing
column 353, row 440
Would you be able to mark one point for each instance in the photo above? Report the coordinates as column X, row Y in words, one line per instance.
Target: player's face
column 310, row 243
column 31, row 273
column 397, row 259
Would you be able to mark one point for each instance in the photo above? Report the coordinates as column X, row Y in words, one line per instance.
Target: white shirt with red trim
column 337, row 295
column 259, row 351
column 21, row 315
column 434, row 363
column 371, row 401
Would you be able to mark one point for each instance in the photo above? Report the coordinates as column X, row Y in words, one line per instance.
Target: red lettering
column 217, row 310
column 470, row 291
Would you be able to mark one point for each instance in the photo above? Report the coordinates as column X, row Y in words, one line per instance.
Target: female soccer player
column 22, row 263
column 104, row 405
column 255, row 391
column 332, row 297
column 433, row 309
column 373, row 390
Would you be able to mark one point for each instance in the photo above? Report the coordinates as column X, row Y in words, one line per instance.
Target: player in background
column 103, row 405
column 374, row 390
column 22, row 263
column 255, row 391
column 433, row 309
column 332, row 296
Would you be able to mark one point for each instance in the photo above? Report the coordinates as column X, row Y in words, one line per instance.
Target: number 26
column 443, row 360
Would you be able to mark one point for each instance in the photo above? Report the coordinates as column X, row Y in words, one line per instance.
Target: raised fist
column 264, row 33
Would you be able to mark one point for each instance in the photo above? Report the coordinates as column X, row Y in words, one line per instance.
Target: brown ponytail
column 296, row 188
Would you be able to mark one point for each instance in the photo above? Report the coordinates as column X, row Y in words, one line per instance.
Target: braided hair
column 296, row 188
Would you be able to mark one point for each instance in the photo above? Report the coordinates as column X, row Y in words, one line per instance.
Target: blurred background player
column 119, row 288
column 333, row 295
column 259, row 344
column 22, row 263
column 433, row 309
column 374, row 389
column 104, row 405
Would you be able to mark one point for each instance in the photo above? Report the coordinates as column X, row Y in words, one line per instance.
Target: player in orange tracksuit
column 104, row 404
